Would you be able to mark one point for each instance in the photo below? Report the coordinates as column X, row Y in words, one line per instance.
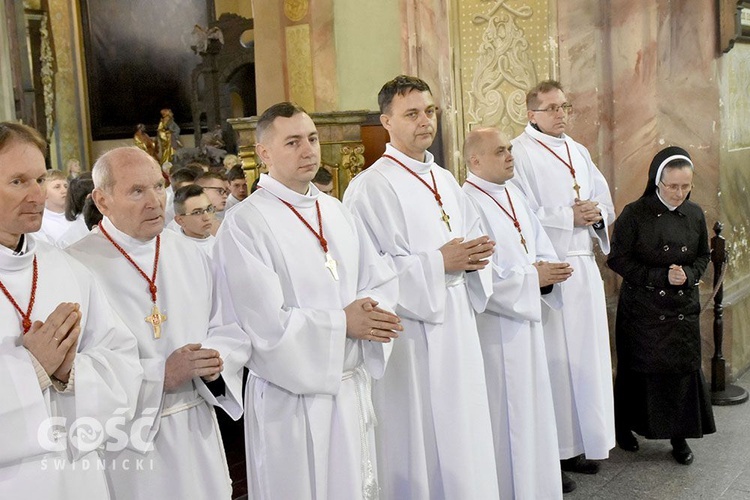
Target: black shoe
column 568, row 484
column 627, row 441
column 579, row 464
column 682, row 452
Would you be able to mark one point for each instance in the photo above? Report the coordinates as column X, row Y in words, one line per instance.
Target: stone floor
column 721, row 469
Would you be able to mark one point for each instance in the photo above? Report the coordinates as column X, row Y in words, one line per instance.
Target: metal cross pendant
column 156, row 319
column 445, row 218
column 577, row 189
column 331, row 265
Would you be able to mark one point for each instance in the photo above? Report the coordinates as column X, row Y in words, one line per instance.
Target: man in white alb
column 524, row 272
column 313, row 293
column 67, row 364
column 434, row 438
column 192, row 354
column 194, row 216
column 571, row 199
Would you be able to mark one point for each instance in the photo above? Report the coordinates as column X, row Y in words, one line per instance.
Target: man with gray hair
column 65, row 359
column 164, row 289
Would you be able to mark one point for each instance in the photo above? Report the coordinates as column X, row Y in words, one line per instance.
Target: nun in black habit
column 660, row 248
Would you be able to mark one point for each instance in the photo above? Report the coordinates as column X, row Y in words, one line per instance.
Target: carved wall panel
column 506, row 47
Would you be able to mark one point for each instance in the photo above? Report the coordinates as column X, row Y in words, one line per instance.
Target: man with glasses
column 571, row 199
column 216, row 187
column 194, row 214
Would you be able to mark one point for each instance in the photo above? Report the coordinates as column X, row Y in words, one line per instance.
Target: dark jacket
column 657, row 326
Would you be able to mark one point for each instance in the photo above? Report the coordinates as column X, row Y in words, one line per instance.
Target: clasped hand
column 366, row 321
column 472, row 255
column 551, row 273
column 191, row 360
column 586, row 213
column 676, row 275
column 54, row 342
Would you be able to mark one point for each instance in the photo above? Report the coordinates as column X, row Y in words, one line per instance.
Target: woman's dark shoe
column 627, row 441
column 681, row 451
column 579, row 464
column 568, row 484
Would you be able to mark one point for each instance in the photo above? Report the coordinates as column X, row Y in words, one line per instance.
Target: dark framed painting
column 139, row 61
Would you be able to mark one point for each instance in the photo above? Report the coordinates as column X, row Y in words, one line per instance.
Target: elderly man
column 307, row 284
column 162, row 288
column 510, row 329
column 65, row 359
column 435, row 437
column 571, row 199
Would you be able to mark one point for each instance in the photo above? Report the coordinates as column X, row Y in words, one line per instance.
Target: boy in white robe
column 510, row 328
column 54, row 222
column 192, row 357
column 434, row 438
column 194, row 216
column 572, row 201
column 66, row 363
column 312, row 292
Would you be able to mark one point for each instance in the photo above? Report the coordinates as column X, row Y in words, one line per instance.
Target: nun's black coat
column 660, row 389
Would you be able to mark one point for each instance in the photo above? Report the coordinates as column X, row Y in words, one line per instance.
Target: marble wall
column 734, row 78
column 295, row 55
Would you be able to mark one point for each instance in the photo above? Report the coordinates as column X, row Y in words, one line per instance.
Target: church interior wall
column 640, row 74
column 734, row 76
column 7, row 106
column 368, row 50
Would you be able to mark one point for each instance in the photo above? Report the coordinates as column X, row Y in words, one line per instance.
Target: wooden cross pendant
column 445, row 218
column 331, row 265
column 523, row 242
column 156, row 319
column 577, row 189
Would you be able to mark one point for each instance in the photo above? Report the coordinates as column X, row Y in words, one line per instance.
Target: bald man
column 524, row 272
column 162, row 287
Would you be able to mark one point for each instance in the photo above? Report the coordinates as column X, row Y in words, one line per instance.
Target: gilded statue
column 144, row 142
column 168, row 136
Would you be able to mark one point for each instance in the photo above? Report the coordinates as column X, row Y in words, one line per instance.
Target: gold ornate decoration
column 503, row 68
column 299, row 66
column 352, row 159
column 295, row 10
column 48, row 76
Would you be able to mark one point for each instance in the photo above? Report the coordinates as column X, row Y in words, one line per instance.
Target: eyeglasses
column 673, row 188
column 200, row 211
column 222, row 191
column 566, row 108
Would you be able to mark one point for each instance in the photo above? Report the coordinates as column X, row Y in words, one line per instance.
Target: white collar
column 128, row 243
column 421, row 167
column 290, row 196
column 488, row 186
column 549, row 140
column 12, row 261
